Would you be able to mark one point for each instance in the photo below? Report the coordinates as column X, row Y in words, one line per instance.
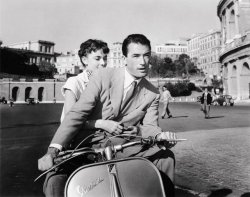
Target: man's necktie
column 129, row 94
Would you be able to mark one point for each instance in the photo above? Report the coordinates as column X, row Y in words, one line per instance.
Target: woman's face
column 95, row 60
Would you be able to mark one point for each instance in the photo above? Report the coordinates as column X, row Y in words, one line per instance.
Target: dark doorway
column 27, row 93
column 40, row 93
column 15, row 93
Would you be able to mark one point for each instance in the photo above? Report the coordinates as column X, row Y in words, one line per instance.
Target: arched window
column 40, row 93
column 234, row 71
column 27, row 93
column 232, row 24
column 245, row 69
column 15, row 93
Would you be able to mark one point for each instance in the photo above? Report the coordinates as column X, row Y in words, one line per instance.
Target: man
column 106, row 98
column 166, row 97
column 206, row 101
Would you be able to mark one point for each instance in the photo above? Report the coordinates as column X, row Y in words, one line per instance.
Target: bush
column 180, row 88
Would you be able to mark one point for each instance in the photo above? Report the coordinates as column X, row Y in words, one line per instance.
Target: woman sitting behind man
column 93, row 55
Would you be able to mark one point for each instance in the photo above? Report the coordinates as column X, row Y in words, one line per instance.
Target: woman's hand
column 131, row 130
column 110, row 126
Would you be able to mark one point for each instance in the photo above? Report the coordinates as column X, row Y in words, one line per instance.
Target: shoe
column 162, row 117
column 170, row 116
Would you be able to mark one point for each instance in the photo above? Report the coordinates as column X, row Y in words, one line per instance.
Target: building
column 210, row 45
column 234, row 16
column 193, row 47
column 204, row 49
column 172, row 49
column 37, row 51
column 47, row 91
column 68, row 63
column 115, row 55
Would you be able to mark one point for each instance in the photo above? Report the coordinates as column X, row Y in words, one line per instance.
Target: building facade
column 235, row 53
column 115, row 55
column 47, row 91
column 39, row 51
column 193, row 47
column 172, row 49
column 210, row 45
column 68, row 63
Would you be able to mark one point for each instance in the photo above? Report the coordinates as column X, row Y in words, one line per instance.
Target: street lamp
column 9, row 88
column 54, row 99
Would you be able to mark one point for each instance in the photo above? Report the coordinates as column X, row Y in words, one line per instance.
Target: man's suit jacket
column 102, row 100
column 209, row 98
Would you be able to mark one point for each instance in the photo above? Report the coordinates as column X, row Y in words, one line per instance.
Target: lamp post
column 54, row 99
column 9, row 88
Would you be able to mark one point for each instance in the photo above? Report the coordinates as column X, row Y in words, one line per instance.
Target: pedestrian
column 11, row 102
column 122, row 95
column 165, row 97
column 206, row 101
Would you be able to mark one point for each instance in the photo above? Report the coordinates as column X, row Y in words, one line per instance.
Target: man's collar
column 129, row 79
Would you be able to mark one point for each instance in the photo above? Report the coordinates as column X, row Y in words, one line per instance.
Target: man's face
column 95, row 60
column 137, row 60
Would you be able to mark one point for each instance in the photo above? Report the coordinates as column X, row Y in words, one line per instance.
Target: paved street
column 214, row 161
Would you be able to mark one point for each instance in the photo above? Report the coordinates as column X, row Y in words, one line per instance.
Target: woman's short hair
column 134, row 38
column 92, row 45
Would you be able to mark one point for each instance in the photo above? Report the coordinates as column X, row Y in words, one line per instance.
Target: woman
column 93, row 55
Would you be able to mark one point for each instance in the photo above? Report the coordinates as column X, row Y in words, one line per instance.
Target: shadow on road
column 212, row 117
column 220, row 192
column 179, row 117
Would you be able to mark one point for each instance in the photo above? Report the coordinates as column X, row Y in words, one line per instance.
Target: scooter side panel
column 135, row 177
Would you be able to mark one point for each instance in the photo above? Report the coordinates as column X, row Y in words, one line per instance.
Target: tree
column 47, row 69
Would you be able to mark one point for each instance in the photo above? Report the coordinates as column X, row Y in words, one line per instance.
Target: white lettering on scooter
column 85, row 189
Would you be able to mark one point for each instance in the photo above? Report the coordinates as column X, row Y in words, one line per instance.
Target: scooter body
column 134, row 176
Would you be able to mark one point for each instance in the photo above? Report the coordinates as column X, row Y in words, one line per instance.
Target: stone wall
column 44, row 91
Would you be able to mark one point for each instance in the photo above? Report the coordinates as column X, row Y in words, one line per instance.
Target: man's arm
column 78, row 114
column 72, row 122
column 150, row 125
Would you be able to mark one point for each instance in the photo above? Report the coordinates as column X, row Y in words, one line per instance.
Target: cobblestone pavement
column 214, row 162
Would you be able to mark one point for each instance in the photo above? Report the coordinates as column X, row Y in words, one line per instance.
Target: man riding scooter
column 122, row 95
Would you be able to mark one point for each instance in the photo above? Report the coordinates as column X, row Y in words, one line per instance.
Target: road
column 27, row 130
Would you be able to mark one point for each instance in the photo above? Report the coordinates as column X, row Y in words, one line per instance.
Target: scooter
column 111, row 177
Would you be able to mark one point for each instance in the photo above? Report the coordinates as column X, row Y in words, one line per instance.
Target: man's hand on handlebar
column 167, row 136
column 47, row 161
column 116, row 128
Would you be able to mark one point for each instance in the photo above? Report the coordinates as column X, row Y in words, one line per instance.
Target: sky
column 68, row 23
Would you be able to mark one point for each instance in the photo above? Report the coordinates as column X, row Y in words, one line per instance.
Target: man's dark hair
column 134, row 38
column 92, row 45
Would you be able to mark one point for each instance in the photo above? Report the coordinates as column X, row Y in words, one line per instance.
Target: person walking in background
column 206, row 100
column 165, row 97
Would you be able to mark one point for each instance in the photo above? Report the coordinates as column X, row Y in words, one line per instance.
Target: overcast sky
column 70, row 22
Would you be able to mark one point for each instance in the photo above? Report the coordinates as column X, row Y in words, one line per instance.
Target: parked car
column 3, row 100
column 224, row 100
column 31, row 101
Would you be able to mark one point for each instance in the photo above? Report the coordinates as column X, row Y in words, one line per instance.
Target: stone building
column 235, row 53
column 68, row 63
column 20, row 90
column 210, row 45
column 172, row 49
column 115, row 55
column 204, row 49
column 38, row 51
